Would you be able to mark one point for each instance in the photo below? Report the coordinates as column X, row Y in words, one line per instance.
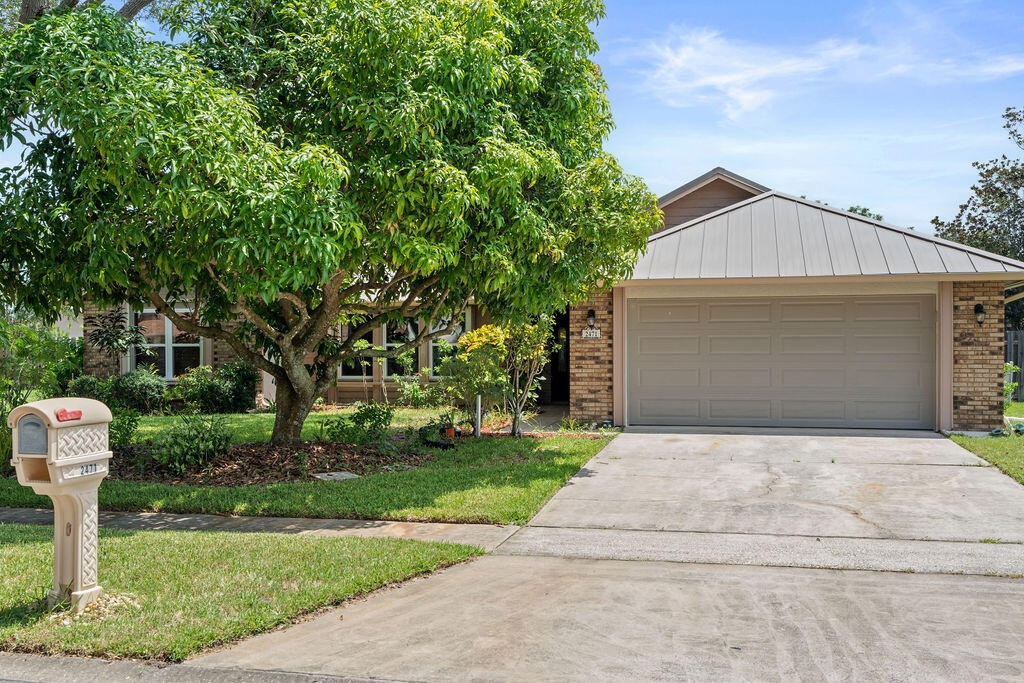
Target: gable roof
column 778, row 235
column 716, row 173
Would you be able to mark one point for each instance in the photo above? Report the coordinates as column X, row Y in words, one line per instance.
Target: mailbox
column 60, row 449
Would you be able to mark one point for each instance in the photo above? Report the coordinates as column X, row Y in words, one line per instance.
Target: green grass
column 1005, row 452
column 1016, row 409
column 489, row 480
column 194, row 590
column 256, row 427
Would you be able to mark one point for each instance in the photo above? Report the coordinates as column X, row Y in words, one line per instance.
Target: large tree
column 993, row 217
column 292, row 168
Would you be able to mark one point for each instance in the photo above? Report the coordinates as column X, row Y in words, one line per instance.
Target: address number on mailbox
column 72, row 471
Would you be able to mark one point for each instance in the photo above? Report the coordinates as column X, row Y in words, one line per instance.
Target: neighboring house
column 754, row 308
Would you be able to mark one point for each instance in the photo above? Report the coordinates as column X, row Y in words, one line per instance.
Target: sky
column 879, row 104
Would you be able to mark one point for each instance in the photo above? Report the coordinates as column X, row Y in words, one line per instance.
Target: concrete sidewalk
column 485, row 536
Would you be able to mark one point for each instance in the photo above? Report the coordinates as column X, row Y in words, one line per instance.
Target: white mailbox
column 60, row 448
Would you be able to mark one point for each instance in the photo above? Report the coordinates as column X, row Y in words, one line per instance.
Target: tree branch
column 132, row 7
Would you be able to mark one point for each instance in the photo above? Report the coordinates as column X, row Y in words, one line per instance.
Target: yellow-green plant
column 526, row 353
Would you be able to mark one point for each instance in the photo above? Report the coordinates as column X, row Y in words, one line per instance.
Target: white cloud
column 689, row 67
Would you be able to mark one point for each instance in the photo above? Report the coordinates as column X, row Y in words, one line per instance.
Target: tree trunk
column 292, row 411
column 517, row 418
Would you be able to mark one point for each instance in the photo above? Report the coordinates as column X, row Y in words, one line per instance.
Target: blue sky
column 883, row 104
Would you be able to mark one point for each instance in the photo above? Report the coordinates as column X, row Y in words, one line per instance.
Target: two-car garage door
column 798, row 362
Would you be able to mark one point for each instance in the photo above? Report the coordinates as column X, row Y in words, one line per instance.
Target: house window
column 171, row 351
column 444, row 346
column 357, row 368
column 394, row 337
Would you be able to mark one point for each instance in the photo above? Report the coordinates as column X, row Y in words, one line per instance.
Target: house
column 749, row 308
column 755, row 308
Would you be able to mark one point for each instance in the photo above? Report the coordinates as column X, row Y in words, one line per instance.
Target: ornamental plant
column 527, row 348
column 284, row 169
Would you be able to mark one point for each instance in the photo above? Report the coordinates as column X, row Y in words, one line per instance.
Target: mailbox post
column 60, row 449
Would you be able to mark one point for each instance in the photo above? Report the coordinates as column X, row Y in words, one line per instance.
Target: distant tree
column 993, row 217
column 865, row 211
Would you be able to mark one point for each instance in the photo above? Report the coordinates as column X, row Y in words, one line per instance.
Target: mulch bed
column 263, row 463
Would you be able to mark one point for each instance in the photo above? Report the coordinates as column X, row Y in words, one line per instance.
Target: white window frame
column 430, row 345
column 168, row 344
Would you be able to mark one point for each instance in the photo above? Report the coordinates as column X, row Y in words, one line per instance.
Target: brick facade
column 94, row 361
column 978, row 356
column 590, row 361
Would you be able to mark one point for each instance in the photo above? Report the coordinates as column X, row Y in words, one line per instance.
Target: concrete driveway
column 714, row 556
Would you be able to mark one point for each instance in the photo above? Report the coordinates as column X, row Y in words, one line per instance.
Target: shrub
column 243, row 379
column 35, row 360
column 368, row 424
column 476, row 368
column 88, row 386
column 414, row 388
column 123, row 427
column 141, row 390
column 204, row 390
column 526, row 353
column 192, row 442
column 68, row 367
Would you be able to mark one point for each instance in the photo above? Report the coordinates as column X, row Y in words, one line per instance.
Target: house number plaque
column 591, row 333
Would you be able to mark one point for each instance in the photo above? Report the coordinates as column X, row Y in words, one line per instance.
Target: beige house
column 749, row 308
column 755, row 308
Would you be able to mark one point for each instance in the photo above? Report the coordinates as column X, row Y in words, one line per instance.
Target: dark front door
column 558, row 367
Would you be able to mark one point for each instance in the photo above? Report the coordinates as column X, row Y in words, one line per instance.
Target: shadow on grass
column 491, row 480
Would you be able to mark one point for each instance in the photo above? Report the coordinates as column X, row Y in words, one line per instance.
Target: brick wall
column 978, row 356
column 590, row 361
column 94, row 361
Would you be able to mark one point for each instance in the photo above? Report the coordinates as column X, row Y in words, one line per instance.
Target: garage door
column 796, row 362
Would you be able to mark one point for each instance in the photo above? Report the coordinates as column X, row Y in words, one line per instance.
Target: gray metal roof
column 700, row 180
column 776, row 235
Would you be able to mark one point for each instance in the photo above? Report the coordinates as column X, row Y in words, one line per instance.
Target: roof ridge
column 693, row 221
column 735, row 178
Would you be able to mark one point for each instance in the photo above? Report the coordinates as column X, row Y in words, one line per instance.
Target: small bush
column 141, row 390
column 123, row 427
column 243, row 379
column 204, row 390
column 192, row 442
column 88, row 386
column 1009, row 386
column 368, row 424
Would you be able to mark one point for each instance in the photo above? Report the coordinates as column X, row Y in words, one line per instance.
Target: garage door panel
column 720, row 344
column 832, row 361
column 812, row 410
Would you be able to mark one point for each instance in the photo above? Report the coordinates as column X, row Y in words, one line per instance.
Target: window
column 172, row 351
column 441, row 347
column 395, row 336
column 357, row 368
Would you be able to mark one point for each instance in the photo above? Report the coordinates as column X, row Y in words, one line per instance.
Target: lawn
column 177, row 593
column 256, row 427
column 488, row 480
column 1016, row 409
column 1005, row 452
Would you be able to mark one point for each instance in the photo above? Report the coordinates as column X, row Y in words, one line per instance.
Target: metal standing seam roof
column 777, row 235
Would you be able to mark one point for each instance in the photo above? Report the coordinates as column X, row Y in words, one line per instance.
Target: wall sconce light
column 979, row 313
column 591, row 317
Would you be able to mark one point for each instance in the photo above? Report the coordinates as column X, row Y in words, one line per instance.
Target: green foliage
column 527, row 346
column 141, row 390
column 204, row 390
column 368, row 424
column 123, row 427
column 1010, row 385
column 88, row 386
column 992, row 218
column 314, row 159
column 243, row 379
column 415, row 389
column 34, row 361
column 192, row 442
column 477, row 368
column 110, row 332
column 865, row 211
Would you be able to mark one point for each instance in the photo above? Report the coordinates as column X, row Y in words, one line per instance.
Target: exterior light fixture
column 591, row 317
column 979, row 313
